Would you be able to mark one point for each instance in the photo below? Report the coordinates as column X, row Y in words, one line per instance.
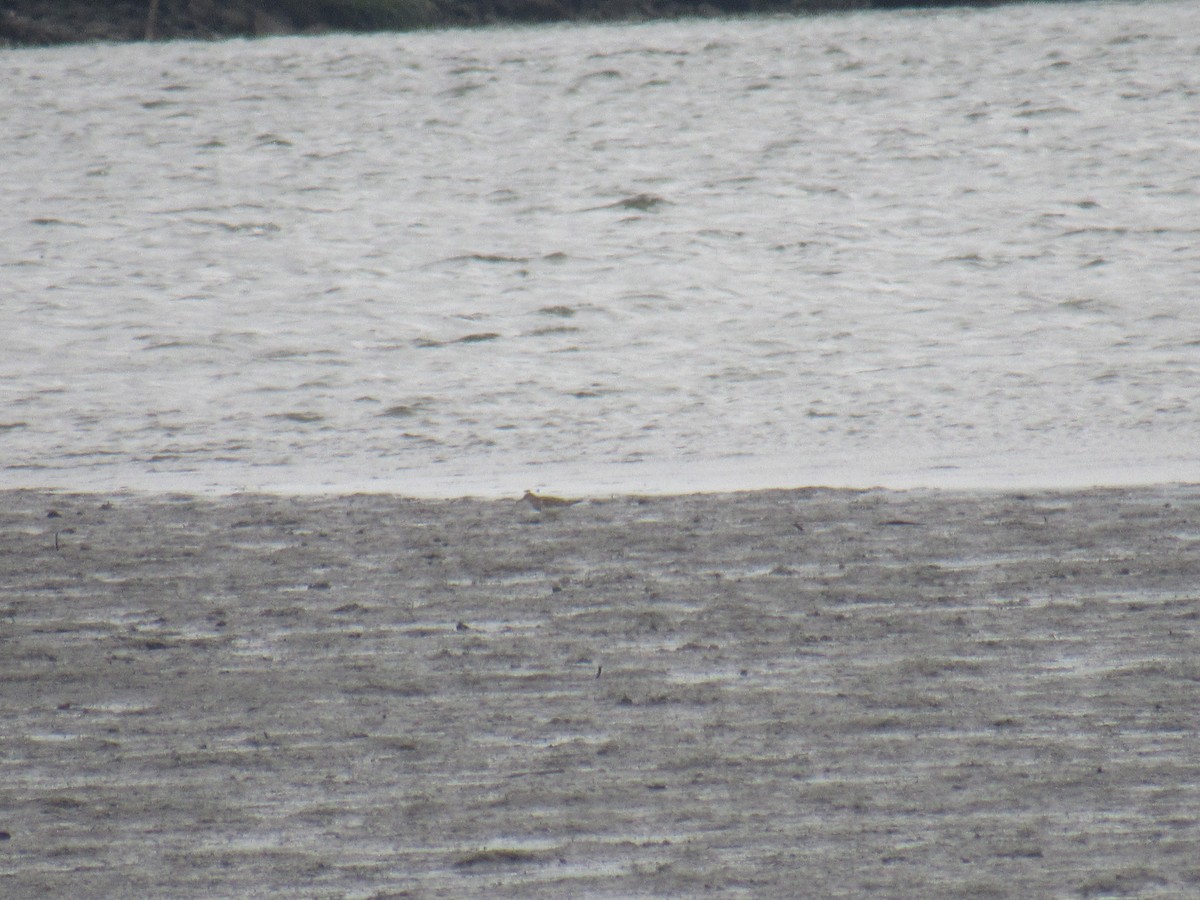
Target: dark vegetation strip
column 42, row 22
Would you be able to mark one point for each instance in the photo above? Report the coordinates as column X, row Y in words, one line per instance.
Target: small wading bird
column 544, row 502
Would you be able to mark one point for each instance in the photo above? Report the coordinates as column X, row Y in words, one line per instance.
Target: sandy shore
column 818, row 693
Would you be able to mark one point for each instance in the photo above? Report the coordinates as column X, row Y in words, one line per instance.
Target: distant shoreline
column 45, row 23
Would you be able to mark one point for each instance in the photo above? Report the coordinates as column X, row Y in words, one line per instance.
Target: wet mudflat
column 821, row 693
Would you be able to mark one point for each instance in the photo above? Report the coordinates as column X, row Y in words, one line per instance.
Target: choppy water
column 901, row 248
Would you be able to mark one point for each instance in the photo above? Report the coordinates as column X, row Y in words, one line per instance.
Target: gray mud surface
column 793, row 693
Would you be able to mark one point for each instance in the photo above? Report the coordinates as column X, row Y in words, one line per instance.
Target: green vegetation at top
column 353, row 15
column 24, row 22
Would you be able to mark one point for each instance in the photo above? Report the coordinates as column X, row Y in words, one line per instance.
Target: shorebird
column 544, row 502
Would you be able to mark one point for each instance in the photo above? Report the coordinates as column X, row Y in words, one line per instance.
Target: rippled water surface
column 901, row 248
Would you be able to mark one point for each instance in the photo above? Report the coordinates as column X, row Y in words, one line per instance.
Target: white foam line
column 495, row 480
